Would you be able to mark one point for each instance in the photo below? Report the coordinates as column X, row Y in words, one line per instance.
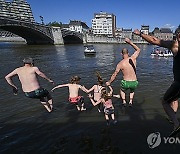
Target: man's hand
column 127, row 40
column 15, row 90
column 137, row 32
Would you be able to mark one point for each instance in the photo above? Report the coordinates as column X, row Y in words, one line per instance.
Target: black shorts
column 173, row 92
column 38, row 94
column 108, row 111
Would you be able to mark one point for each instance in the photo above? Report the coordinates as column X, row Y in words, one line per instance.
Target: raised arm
column 118, row 68
column 148, row 38
column 60, row 86
column 41, row 74
column 137, row 49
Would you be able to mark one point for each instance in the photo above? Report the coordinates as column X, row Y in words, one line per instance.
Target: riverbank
column 12, row 39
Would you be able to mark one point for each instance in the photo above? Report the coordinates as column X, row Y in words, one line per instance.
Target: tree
column 55, row 23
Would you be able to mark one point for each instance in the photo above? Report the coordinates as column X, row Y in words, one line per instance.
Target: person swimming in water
column 74, row 97
column 107, row 103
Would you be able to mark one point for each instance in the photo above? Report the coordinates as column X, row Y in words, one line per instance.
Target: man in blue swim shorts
column 30, row 85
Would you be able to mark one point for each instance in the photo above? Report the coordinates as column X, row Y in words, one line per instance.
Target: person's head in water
column 100, row 81
column 177, row 33
column 125, row 52
column 75, row 79
column 28, row 61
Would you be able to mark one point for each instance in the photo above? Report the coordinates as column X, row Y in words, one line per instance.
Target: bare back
column 127, row 69
column 28, row 79
column 74, row 90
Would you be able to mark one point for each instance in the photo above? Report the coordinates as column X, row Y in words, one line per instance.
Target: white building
column 77, row 26
column 17, row 9
column 104, row 24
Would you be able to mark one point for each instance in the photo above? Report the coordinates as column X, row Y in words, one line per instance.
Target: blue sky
column 129, row 13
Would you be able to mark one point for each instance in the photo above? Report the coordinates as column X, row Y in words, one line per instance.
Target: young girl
column 74, row 97
column 97, row 91
column 107, row 103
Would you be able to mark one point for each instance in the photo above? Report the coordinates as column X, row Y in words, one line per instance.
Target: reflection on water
column 60, row 63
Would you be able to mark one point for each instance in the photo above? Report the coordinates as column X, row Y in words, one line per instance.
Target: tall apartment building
column 17, row 9
column 104, row 24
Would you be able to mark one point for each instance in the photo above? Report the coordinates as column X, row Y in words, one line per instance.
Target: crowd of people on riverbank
column 103, row 92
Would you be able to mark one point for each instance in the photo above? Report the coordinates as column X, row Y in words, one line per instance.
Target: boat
column 89, row 50
column 161, row 52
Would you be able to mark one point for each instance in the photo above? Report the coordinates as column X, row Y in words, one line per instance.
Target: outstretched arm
column 83, row 88
column 60, row 86
column 41, row 74
column 118, row 68
column 148, row 38
column 89, row 90
column 137, row 49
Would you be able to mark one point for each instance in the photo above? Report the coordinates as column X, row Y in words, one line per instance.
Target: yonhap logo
column 154, row 140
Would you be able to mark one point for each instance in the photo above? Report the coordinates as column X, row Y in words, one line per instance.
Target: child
column 97, row 91
column 107, row 103
column 74, row 97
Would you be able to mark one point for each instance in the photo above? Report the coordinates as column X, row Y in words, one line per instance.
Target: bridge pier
column 57, row 35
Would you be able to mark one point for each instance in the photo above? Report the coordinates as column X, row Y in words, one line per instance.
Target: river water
column 26, row 127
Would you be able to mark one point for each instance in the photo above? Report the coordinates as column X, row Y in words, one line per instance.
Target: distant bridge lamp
column 42, row 19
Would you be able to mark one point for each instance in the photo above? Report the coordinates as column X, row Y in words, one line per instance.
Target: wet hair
column 124, row 51
column 177, row 30
column 28, row 60
column 75, row 79
column 104, row 94
column 100, row 80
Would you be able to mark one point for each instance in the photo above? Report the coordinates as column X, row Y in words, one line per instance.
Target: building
column 104, row 24
column 163, row 33
column 17, row 9
column 145, row 30
column 77, row 26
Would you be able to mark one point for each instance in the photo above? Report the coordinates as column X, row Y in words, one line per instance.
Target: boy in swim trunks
column 74, row 97
column 128, row 68
column 30, row 85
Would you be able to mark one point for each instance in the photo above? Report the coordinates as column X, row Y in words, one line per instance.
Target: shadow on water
column 86, row 132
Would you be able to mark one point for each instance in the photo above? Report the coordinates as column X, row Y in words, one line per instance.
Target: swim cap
column 28, row 60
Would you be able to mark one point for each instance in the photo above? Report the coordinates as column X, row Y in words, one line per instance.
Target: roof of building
column 165, row 30
column 78, row 23
column 127, row 30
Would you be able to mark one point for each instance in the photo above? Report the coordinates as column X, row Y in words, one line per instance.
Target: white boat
column 161, row 52
column 89, row 50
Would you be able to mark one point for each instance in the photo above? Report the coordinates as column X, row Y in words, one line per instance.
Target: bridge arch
column 29, row 34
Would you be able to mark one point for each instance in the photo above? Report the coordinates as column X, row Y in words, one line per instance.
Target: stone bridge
column 35, row 33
